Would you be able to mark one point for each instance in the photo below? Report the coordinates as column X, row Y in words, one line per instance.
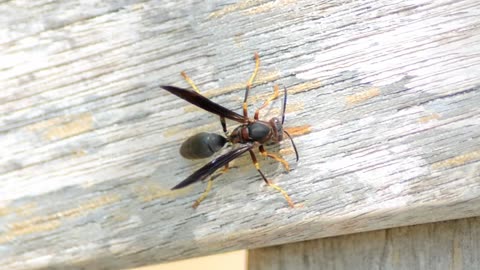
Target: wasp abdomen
column 202, row 145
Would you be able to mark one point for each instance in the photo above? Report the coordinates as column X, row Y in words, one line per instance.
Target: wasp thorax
column 258, row 131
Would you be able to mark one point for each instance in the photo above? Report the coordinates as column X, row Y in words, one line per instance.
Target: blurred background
column 236, row 260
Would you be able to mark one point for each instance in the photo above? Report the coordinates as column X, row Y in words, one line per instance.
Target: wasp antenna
column 284, row 105
column 293, row 144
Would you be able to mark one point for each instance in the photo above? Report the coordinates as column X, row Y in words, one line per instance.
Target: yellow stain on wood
column 52, row 221
column 291, row 107
column 120, row 217
column 26, row 209
column 250, row 7
column 150, row 191
column 266, row 7
column 299, row 130
column 265, row 77
column 23, row 210
column 428, row 118
column 136, row 7
column 45, row 124
column 233, row 7
column 42, row 227
column 79, row 152
column 363, row 96
column 73, row 126
column 64, row 126
column 458, row 160
column 286, row 151
column 306, row 86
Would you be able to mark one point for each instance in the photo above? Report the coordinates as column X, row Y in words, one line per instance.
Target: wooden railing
column 383, row 106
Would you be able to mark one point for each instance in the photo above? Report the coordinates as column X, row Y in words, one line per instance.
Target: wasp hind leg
column 209, row 187
column 279, row 189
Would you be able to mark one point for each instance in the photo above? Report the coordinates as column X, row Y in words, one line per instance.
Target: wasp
column 244, row 138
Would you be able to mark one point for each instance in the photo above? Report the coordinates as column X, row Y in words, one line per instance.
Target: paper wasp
column 249, row 134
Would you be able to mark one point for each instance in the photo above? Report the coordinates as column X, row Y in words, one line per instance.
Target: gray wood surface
column 383, row 98
column 443, row 245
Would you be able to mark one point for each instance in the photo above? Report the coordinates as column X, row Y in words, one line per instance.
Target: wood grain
column 383, row 95
column 443, row 245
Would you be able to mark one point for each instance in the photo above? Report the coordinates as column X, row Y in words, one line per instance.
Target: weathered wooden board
column 384, row 96
column 442, row 245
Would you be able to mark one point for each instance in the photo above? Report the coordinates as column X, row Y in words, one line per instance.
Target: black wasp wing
column 203, row 102
column 214, row 165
